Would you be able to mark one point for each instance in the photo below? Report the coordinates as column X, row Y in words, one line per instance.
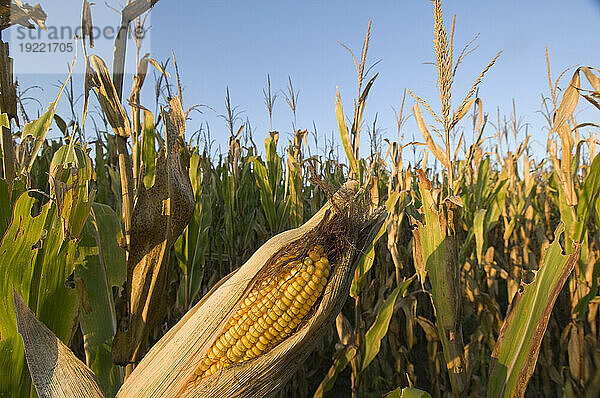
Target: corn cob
column 270, row 313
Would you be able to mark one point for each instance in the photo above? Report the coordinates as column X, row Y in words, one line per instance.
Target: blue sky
column 235, row 44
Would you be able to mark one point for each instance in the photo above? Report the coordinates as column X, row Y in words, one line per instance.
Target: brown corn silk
column 171, row 367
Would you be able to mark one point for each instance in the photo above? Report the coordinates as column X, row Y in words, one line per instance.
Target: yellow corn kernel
column 296, row 284
column 231, row 355
column 261, row 346
column 319, row 271
column 262, row 322
column 285, row 301
column 236, row 351
column 292, row 290
column 281, row 305
column 314, row 256
column 278, row 311
column 305, row 277
column 252, row 331
column 256, row 351
column 304, row 294
column 240, row 346
column 270, row 297
column 304, row 311
column 272, row 315
column 219, row 343
column 288, row 294
column 204, row 365
column 246, row 342
column 270, row 333
column 259, row 329
column 268, row 321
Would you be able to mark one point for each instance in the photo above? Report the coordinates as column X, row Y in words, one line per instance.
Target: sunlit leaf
column 379, row 329
column 58, row 373
column 345, row 136
column 516, row 352
column 100, row 268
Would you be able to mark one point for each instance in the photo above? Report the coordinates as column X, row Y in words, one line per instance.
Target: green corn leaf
column 70, row 173
column 148, row 151
column 379, row 328
column 38, row 129
column 346, row 142
column 515, row 355
column 191, row 246
column 39, row 249
column 266, row 193
column 407, row 392
column 100, row 267
column 581, row 307
column 587, row 197
column 341, row 359
column 366, row 261
column 478, row 228
column 5, row 208
column 435, row 254
column 273, row 160
column 17, row 271
column 482, row 183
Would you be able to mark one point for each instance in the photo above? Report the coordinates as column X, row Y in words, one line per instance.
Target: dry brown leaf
column 160, row 215
column 592, row 78
column 107, row 95
column 568, row 102
column 55, row 370
column 430, row 143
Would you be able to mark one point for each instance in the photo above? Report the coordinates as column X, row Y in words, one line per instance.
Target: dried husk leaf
column 592, row 78
column 160, row 215
column 433, row 147
column 168, row 369
column 568, row 102
column 108, row 97
column 55, row 370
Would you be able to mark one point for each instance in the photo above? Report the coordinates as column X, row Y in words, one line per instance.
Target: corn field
column 133, row 255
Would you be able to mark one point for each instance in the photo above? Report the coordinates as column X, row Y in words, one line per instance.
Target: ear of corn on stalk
column 270, row 313
column 176, row 365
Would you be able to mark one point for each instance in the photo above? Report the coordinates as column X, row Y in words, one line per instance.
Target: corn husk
column 55, row 370
column 168, row 369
